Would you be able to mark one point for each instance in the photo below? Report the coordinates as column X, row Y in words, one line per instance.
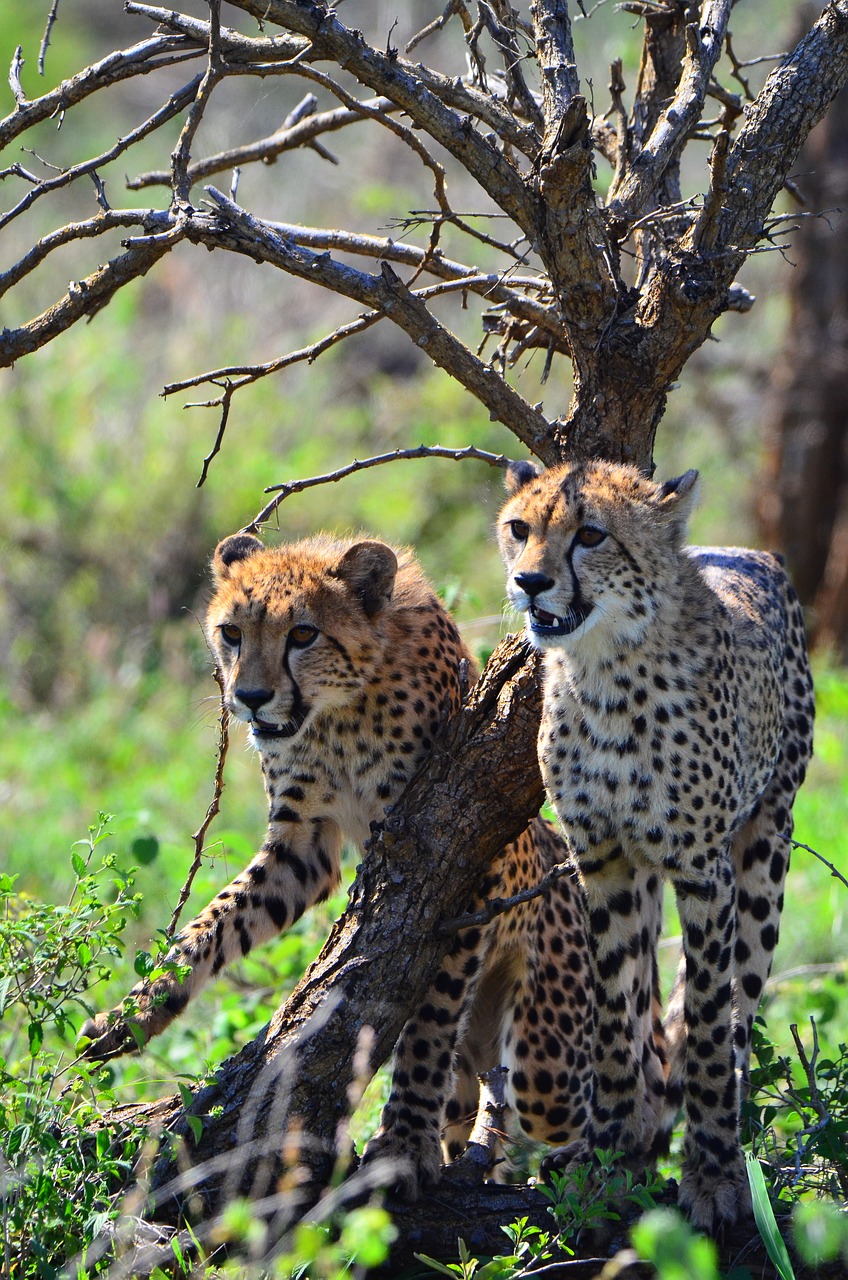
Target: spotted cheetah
column 343, row 663
column 676, row 730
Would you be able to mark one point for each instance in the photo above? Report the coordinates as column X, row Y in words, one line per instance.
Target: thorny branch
column 285, row 490
column 497, row 906
column 199, row 836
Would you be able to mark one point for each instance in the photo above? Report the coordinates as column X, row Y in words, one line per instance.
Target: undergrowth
column 64, row 1172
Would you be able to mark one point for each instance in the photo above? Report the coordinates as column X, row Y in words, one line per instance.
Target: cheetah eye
column 519, row 530
column 302, row 636
column 588, row 536
column 231, row 634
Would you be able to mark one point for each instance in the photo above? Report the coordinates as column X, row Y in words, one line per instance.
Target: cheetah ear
column 676, row 498
column 518, row 474
column 369, row 570
column 241, row 546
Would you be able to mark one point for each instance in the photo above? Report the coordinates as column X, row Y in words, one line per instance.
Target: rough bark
column 803, row 504
column 421, row 868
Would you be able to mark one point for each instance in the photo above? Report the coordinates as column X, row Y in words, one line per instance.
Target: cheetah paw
column 713, row 1199
column 405, row 1166
column 109, row 1035
column 564, row 1160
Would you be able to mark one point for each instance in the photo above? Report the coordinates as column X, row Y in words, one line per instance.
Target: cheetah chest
column 637, row 759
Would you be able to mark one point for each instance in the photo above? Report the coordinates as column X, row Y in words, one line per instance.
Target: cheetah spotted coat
column 343, row 663
column 676, row 730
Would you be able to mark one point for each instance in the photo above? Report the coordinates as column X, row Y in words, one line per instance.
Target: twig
column 139, row 59
column 225, row 401
column 289, row 487
column 292, row 134
column 796, row 844
column 825, row 1119
column 497, row 906
column 15, row 77
column 181, row 155
column 501, row 27
column 452, row 7
column 214, row 806
column 251, row 373
column 175, row 104
column 48, row 31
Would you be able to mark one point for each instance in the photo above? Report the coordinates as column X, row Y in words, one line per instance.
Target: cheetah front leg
column 424, row 1072
column 297, row 866
column 714, row 1187
column 621, row 946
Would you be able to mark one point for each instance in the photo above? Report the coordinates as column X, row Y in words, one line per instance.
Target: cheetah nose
column 533, row 583
column 254, row 698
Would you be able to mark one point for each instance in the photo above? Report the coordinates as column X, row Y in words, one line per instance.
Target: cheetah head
column 586, row 547
column 296, row 629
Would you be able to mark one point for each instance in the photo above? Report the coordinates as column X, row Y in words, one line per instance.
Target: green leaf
column 435, row 1265
column 145, row 849
column 36, row 1037
column 765, row 1220
column 78, row 864
column 196, row 1125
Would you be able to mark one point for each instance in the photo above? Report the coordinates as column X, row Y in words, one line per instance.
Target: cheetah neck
column 596, row 671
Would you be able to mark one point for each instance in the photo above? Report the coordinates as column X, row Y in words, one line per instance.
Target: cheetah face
column 296, row 630
column 584, row 547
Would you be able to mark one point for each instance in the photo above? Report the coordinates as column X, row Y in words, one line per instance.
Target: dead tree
column 623, row 287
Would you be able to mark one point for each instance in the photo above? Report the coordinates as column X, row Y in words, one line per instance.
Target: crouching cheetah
column 676, row 730
column 342, row 662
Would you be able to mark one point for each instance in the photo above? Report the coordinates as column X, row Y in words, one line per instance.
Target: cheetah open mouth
column 263, row 729
column 543, row 623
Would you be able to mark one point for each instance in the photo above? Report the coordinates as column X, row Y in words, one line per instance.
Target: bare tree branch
column 291, row 135
column 285, row 490
column 139, row 59
column 703, row 47
column 243, row 233
column 175, row 104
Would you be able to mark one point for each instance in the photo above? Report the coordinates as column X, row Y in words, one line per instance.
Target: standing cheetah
column 343, row 663
column 676, row 730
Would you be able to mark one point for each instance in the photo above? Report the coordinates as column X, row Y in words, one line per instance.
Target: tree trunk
column 803, row 506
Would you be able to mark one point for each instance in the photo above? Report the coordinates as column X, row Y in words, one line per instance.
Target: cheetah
column 676, row 730
column 343, row 663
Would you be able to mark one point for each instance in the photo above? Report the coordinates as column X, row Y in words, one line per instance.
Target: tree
column 804, row 504
column 623, row 286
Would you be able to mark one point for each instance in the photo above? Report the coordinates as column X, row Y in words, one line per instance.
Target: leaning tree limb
column 286, row 1094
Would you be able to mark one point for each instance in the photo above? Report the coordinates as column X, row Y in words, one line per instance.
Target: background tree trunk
column 803, row 507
